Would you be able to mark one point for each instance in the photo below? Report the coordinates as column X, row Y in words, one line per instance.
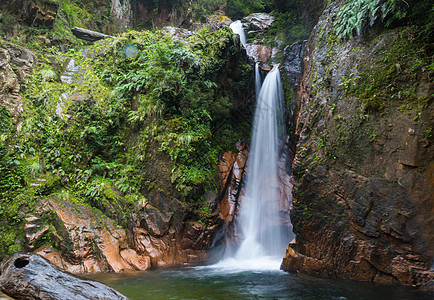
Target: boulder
column 259, row 53
column 177, row 34
column 30, row 276
column 258, row 22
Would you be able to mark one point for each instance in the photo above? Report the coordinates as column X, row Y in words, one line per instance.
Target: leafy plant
column 355, row 13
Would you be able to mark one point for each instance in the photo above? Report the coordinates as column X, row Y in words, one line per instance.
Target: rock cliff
column 364, row 163
column 168, row 216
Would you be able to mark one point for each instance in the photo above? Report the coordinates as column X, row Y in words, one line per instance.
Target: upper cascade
column 237, row 28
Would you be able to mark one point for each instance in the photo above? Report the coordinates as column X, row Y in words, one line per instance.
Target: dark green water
column 213, row 283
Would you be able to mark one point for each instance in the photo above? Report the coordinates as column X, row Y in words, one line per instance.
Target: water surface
column 221, row 283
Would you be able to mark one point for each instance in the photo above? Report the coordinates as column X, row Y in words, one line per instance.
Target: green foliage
column 76, row 13
column 127, row 127
column 355, row 13
column 126, row 110
column 10, row 184
column 237, row 9
column 287, row 28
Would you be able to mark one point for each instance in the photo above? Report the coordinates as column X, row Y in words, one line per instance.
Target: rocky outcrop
column 259, row 53
column 86, row 241
column 258, row 22
column 91, row 241
column 29, row 276
column 16, row 65
column 233, row 169
column 39, row 12
column 363, row 203
column 177, row 34
column 255, row 25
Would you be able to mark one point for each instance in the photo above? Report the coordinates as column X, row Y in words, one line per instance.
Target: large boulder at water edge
column 30, row 276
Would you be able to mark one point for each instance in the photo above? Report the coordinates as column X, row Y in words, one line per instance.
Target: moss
column 393, row 80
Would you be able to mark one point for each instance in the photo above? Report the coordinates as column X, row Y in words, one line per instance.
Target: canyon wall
column 363, row 202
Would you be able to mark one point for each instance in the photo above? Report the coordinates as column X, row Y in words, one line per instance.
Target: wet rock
column 225, row 167
column 258, row 53
column 231, row 168
column 30, row 276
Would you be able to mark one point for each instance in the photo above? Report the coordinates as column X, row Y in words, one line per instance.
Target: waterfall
column 259, row 217
column 258, row 80
column 260, row 223
column 237, row 28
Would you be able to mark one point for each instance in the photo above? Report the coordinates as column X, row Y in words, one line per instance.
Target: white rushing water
column 237, row 27
column 264, row 241
column 258, row 79
column 260, row 220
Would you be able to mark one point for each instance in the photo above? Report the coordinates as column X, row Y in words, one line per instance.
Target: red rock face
column 363, row 203
column 88, row 241
column 96, row 244
column 233, row 168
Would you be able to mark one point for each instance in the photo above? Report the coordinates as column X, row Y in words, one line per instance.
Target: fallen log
column 89, row 35
column 30, row 276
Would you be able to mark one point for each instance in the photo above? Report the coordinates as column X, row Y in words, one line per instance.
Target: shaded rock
column 29, row 276
column 293, row 61
column 40, row 12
